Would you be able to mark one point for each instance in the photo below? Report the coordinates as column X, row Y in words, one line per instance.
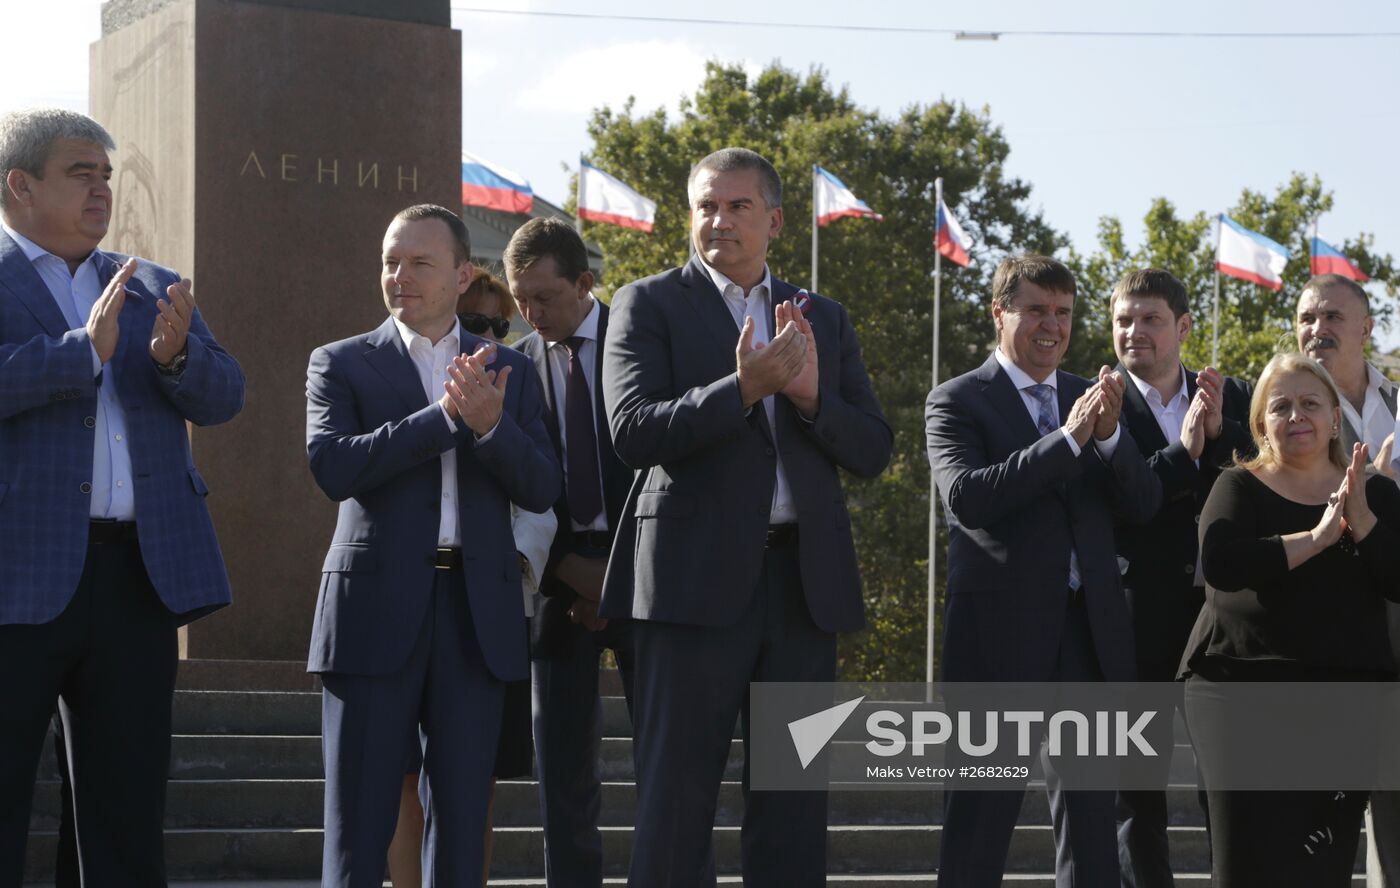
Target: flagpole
column 814, row 228
column 1215, row 324
column 932, row 483
column 578, row 199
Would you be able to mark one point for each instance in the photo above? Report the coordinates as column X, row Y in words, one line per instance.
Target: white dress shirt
column 1375, row 423
column 755, row 304
column 75, row 294
column 1171, row 417
column 431, row 362
column 1023, row 382
column 559, row 375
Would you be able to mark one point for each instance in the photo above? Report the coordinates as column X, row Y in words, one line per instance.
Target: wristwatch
column 176, row 365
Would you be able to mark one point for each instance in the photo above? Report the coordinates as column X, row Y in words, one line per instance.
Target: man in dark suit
column 734, row 556
column 1333, row 322
column 106, row 545
column 546, row 265
column 420, row 619
column 1034, row 593
column 1190, row 426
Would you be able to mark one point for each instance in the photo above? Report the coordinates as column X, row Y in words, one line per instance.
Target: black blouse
column 1324, row 619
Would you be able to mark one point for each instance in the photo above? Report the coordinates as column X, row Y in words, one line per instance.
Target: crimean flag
column 950, row 238
column 1327, row 259
column 835, row 201
column 1249, row 255
column 602, row 198
column 495, row 188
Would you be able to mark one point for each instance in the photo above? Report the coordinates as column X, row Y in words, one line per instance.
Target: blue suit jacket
column 374, row 441
column 690, row 545
column 48, row 395
column 1016, row 503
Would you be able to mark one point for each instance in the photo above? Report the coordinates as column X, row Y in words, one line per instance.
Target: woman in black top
column 1298, row 547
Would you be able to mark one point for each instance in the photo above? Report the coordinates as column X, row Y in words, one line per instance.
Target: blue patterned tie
column 1044, row 396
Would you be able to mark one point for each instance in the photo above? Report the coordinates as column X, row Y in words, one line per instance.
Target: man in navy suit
column 106, row 546
column 737, row 399
column 425, row 435
column 1034, row 593
column 1188, row 425
column 546, row 264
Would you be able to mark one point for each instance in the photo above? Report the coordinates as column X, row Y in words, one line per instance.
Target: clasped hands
column 474, row 394
column 1096, row 411
column 1205, row 416
column 1347, row 509
column 785, row 366
column 170, row 331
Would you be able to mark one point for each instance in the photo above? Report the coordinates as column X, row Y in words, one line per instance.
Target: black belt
column 780, row 535
column 593, row 539
column 106, row 532
column 447, row 558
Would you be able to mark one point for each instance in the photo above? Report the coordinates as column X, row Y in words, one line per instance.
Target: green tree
column 1255, row 322
column 882, row 272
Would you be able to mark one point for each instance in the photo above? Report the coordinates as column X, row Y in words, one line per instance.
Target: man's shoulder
column 665, row 280
column 360, row 342
column 531, row 345
column 145, row 268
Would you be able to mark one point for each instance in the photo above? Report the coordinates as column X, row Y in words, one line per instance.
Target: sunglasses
column 478, row 324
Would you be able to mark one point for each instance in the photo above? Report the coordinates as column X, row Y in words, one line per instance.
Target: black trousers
column 109, row 661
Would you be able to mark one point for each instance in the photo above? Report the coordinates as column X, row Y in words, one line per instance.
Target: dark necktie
column 581, row 438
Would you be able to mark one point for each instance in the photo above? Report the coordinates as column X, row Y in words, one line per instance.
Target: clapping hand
column 1110, row 403
column 1193, row 429
column 1209, row 386
column 802, row 389
column 102, row 327
column 475, row 394
column 768, row 369
column 1357, row 512
column 172, row 324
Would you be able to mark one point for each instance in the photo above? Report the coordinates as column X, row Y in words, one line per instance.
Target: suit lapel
column 1142, row 425
column 538, row 352
column 389, row 357
column 1001, row 392
column 707, row 302
column 17, row 275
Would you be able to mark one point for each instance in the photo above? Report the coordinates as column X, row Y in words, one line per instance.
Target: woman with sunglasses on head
column 485, row 309
column 1300, row 547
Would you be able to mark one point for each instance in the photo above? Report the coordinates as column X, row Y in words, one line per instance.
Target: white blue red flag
column 950, row 239
column 834, row 200
column 1327, row 259
column 496, row 188
column 602, row 198
column 1249, row 255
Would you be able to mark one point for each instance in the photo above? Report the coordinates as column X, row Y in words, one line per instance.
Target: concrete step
column 852, row 850
column 243, row 675
column 206, row 804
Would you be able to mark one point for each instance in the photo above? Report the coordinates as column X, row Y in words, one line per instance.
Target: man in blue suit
column 547, row 266
column 1033, row 466
column 738, row 400
column 106, row 546
column 419, row 620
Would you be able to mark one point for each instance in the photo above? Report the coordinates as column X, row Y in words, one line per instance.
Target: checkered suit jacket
column 48, row 396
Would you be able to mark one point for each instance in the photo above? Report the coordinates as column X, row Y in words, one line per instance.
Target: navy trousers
column 109, row 660
column 978, row 825
column 692, row 683
column 445, row 689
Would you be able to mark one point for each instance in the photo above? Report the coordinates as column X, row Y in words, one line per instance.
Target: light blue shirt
column 75, row 294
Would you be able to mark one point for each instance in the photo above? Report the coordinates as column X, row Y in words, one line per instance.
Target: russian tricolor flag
column 1327, row 259
column 486, row 185
column 834, row 200
column 602, row 198
column 1249, row 255
column 950, row 239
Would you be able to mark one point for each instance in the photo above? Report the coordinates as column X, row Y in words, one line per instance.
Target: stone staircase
column 246, row 791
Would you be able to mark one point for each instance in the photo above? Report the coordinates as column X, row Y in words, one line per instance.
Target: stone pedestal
column 262, row 148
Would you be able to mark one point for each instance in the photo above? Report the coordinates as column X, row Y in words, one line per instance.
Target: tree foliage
column 882, row 273
column 1255, row 322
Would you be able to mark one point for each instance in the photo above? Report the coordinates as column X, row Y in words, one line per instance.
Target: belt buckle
column 444, row 558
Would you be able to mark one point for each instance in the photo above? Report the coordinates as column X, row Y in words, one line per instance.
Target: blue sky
column 1097, row 125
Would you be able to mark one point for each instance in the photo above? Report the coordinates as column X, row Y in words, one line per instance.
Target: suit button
column 1198, row 519
column 768, row 451
column 85, row 487
column 89, row 422
column 1189, row 568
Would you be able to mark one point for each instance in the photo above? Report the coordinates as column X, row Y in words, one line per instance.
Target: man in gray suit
column 1333, row 323
column 734, row 554
column 1034, row 592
